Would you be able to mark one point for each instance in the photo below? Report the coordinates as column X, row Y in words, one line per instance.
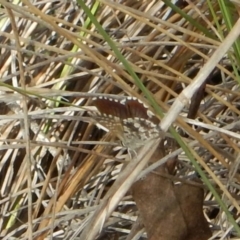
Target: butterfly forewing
column 129, row 119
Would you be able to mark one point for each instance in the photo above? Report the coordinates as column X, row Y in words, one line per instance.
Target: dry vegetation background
column 62, row 177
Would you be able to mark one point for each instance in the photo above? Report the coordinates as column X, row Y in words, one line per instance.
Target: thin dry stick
column 25, row 126
column 117, row 191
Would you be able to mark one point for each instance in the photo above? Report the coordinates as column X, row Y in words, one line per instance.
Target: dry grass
column 56, row 166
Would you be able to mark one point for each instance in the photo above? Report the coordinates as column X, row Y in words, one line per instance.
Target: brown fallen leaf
column 170, row 211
